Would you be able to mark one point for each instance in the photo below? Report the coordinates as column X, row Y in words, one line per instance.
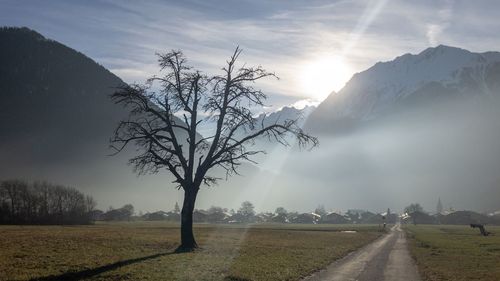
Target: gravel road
column 385, row 259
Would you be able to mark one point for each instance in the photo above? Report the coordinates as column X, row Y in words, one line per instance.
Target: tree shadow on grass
column 78, row 275
column 236, row 278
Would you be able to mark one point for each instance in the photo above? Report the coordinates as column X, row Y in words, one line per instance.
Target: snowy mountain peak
column 432, row 64
column 432, row 53
column 376, row 89
column 443, row 50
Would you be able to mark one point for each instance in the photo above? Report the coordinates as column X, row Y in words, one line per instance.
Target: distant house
column 264, row 217
column 200, row 216
column 374, row 219
column 217, row 217
column 96, row 215
column 162, row 216
column 234, row 218
column 357, row 216
column 353, row 216
column 496, row 213
column 495, row 217
column 155, row 216
column 306, row 218
column 120, row 214
column 279, row 218
column 366, row 217
column 419, row 218
column 334, row 218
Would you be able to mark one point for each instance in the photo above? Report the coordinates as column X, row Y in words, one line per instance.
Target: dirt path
column 385, row 259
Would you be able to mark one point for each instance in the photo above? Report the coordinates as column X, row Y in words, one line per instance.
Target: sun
column 323, row 75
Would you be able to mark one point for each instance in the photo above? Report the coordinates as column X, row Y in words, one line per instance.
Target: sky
column 313, row 46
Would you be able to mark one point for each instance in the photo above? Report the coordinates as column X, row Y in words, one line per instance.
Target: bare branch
column 156, row 130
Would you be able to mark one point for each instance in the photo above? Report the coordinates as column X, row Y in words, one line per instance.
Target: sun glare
column 323, row 75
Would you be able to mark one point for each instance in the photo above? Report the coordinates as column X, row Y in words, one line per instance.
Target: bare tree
column 163, row 124
column 22, row 202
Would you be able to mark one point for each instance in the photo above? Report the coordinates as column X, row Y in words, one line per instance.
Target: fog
column 448, row 150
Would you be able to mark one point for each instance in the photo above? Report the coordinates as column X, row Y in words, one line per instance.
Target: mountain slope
column 285, row 113
column 54, row 100
column 435, row 74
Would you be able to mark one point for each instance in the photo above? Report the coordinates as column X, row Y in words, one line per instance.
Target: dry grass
column 455, row 252
column 142, row 251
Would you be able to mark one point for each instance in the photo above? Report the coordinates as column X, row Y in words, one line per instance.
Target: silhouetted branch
column 162, row 123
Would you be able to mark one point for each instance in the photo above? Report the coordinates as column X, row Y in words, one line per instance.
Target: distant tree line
column 22, row 202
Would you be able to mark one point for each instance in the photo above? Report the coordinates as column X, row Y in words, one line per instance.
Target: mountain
column 56, row 103
column 55, row 100
column 286, row 113
column 435, row 74
column 274, row 149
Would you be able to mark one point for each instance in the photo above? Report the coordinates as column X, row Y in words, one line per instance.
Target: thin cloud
column 434, row 30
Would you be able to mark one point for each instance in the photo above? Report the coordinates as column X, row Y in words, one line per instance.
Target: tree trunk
column 188, row 243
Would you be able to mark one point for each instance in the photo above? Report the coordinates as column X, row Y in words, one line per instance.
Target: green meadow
column 455, row 252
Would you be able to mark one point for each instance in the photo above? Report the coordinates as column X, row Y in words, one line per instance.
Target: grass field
column 143, row 251
column 455, row 252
